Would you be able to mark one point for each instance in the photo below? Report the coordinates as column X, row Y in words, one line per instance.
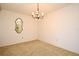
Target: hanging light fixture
column 37, row 14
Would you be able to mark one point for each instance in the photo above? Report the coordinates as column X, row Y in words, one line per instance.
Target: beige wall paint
column 0, row 28
column 61, row 28
column 8, row 35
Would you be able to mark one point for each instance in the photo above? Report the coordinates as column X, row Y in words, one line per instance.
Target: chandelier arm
column 37, row 14
column 37, row 6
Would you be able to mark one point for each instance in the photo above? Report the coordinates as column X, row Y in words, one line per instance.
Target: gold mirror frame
column 18, row 25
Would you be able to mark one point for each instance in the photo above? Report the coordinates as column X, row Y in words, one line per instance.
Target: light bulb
column 42, row 14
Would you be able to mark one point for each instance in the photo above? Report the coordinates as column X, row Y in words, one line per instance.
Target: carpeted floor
column 34, row 48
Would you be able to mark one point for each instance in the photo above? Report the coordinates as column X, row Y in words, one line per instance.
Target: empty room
column 39, row 29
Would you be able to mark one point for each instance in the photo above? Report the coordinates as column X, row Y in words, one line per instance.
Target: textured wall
column 8, row 34
column 61, row 28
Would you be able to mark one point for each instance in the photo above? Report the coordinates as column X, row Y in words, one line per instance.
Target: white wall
column 61, row 28
column 0, row 27
column 8, row 35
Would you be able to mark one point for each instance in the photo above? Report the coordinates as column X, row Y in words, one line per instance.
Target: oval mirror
column 18, row 25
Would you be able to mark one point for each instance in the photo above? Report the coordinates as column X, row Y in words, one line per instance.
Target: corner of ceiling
column 67, row 4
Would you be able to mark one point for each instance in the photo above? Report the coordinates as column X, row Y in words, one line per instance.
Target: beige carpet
column 34, row 48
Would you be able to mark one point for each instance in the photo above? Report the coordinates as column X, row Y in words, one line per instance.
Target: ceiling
column 27, row 8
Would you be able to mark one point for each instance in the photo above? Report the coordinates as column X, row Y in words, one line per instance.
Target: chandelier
column 37, row 14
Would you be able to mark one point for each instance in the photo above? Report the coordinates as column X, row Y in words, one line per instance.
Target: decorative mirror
column 18, row 25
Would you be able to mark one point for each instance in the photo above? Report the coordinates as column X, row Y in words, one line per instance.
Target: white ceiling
column 27, row 8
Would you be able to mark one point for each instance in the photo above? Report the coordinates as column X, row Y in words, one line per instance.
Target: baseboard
column 16, row 42
column 77, row 52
